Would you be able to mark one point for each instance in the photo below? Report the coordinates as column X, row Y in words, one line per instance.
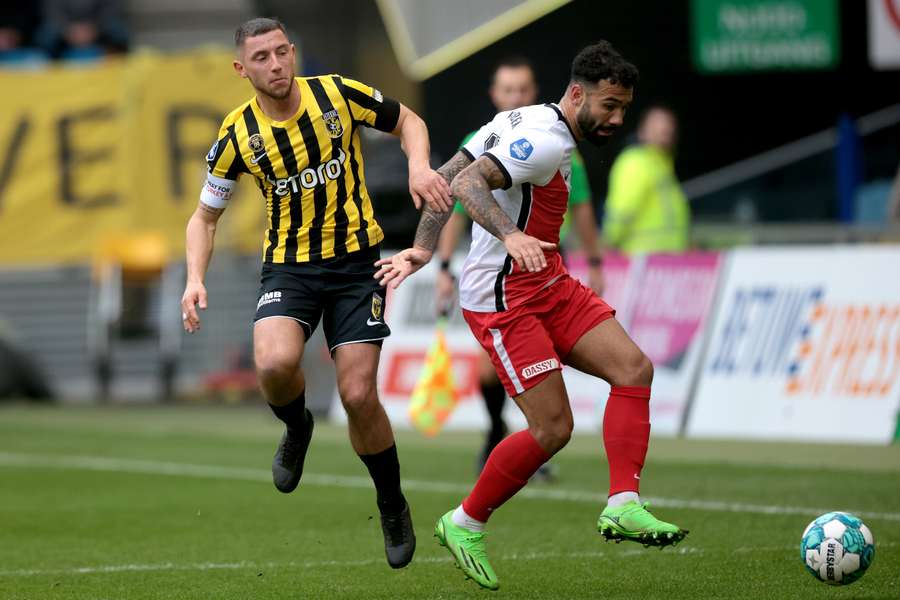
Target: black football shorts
column 342, row 289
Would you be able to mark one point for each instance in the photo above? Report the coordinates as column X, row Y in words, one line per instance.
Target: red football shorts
column 529, row 341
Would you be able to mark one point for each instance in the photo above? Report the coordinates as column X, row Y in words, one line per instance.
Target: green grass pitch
column 177, row 502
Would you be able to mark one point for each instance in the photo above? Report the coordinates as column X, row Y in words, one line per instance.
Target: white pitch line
column 249, row 565
column 747, row 549
column 123, row 465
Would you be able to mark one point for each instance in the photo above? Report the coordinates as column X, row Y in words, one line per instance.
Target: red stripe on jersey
column 549, row 204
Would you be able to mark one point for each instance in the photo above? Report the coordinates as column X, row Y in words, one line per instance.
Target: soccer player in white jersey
column 531, row 316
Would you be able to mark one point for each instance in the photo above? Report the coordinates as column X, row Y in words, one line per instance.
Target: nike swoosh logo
column 372, row 323
column 256, row 159
column 637, row 476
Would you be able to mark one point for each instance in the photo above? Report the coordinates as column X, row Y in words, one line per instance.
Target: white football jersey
column 532, row 146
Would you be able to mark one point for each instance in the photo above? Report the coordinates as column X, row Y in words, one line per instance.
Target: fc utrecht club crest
column 333, row 123
column 377, row 305
column 256, row 143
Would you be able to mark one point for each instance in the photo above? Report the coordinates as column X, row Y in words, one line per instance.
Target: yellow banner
column 92, row 153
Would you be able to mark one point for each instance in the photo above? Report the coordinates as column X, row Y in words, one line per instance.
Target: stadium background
column 788, row 170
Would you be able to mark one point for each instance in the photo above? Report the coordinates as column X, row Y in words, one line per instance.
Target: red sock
column 626, row 433
column 506, row 471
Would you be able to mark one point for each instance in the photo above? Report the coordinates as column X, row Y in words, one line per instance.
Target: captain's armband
column 217, row 191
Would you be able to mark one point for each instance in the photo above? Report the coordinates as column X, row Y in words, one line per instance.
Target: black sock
column 293, row 414
column 385, row 471
column 494, row 399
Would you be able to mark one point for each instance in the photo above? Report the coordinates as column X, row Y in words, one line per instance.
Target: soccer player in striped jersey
column 298, row 137
column 531, row 316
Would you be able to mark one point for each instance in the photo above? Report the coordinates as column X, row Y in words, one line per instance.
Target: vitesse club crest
column 333, row 123
column 256, row 143
column 377, row 306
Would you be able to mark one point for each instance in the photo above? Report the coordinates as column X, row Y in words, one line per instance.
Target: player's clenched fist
column 194, row 295
column 527, row 251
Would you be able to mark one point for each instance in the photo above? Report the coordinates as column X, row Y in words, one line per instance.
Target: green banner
column 733, row 36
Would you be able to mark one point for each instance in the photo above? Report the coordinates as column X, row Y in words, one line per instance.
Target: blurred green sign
column 730, row 36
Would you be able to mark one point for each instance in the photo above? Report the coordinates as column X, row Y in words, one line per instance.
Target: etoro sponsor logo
column 310, row 177
column 541, row 367
column 268, row 298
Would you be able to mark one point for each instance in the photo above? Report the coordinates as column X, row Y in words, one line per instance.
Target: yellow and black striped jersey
column 309, row 167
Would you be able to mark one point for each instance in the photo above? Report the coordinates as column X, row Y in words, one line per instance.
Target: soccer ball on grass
column 837, row 548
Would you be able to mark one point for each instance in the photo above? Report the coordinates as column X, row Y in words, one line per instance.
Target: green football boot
column 467, row 548
column 634, row 522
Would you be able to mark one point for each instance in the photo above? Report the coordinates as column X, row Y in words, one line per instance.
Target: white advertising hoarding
column 805, row 345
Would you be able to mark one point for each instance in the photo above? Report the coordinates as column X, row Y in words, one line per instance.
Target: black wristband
column 445, row 266
column 595, row 261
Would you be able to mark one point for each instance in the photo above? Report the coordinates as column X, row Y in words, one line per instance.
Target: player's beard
column 275, row 93
column 590, row 129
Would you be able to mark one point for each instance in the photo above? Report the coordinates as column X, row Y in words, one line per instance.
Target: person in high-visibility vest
column 646, row 210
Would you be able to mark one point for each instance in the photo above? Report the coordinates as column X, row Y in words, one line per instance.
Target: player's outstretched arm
column 473, row 188
column 201, row 231
column 425, row 184
column 392, row 271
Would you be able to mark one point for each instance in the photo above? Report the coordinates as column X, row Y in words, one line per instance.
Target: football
column 837, row 548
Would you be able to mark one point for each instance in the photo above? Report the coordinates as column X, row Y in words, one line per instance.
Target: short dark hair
column 658, row 107
column 513, row 62
column 601, row 61
column 257, row 26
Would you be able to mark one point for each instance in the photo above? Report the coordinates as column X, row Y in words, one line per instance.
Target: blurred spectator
column 83, row 29
column 18, row 22
column 646, row 211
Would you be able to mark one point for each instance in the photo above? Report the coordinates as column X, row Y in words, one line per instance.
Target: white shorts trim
column 357, row 342
column 301, row 321
column 505, row 360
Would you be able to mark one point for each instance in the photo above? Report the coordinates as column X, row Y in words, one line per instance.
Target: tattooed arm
column 395, row 269
column 473, row 188
column 431, row 222
column 201, row 231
